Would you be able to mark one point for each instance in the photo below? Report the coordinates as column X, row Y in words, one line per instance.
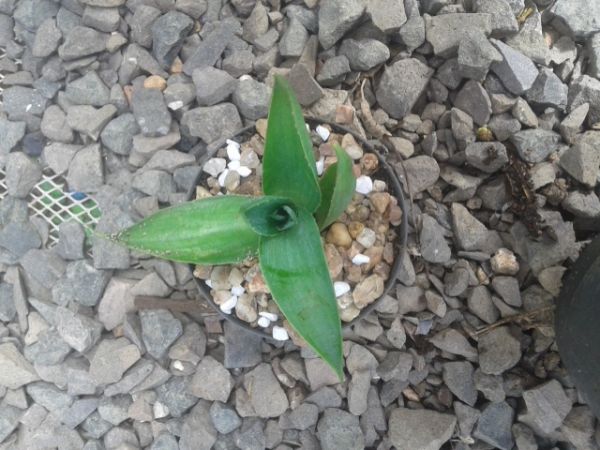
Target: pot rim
column 399, row 245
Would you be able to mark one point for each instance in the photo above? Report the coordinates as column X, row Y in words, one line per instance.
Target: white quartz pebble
column 233, row 150
column 272, row 317
column 229, row 304
column 341, row 287
column 244, row 171
column 280, row 333
column 263, row 322
column 222, row 177
column 208, row 283
column 364, row 185
column 320, row 166
column 237, row 290
column 360, row 259
column 234, row 165
column 323, row 132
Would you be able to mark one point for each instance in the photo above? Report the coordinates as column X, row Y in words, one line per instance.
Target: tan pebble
column 245, row 308
column 338, row 235
column 202, row 192
column 202, row 272
column 383, row 270
column 256, row 143
column 356, row 171
column 221, row 296
column 128, row 91
column 355, row 228
column 388, row 253
column 349, row 144
column 261, row 127
column 335, row 138
column 236, row 277
column 354, row 273
column 504, row 262
column 249, row 158
column 250, row 186
column 379, row 186
column 349, row 314
column 367, row 238
column 273, row 309
column 334, row 260
column 118, row 331
column 395, row 215
column 354, row 250
column 369, row 163
column 482, row 277
column 177, row 66
column 219, row 277
column 381, row 229
column 411, row 395
column 367, row 291
column 361, row 213
column 344, row 301
column 326, row 149
column 380, row 201
column 329, row 160
column 257, row 284
column 232, row 180
column 375, row 254
column 344, row 114
column 262, row 300
column 155, row 82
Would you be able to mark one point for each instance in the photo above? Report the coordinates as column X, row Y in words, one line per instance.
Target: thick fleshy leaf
column 293, row 265
column 208, row 231
column 271, row 215
column 337, row 187
column 288, row 164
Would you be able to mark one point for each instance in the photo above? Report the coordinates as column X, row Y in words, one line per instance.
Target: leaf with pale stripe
column 207, row 231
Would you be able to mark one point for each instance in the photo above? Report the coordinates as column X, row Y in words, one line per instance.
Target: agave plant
column 282, row 227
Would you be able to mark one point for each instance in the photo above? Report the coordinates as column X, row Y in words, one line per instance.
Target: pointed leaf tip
column 289, row 168
column 294, row 267
column 337, row 188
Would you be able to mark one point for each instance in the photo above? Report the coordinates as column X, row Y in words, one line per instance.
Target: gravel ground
column 489, row 110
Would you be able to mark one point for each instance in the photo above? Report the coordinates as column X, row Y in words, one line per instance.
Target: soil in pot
column 359, row 247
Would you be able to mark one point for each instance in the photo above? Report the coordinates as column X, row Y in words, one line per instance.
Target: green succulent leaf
column 271, row 215
column 288, row 163
column 294, row 267
column 337, row 188
column 207, row 231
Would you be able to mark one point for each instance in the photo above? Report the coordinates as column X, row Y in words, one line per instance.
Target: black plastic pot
column 396, row 189
column 577, row 328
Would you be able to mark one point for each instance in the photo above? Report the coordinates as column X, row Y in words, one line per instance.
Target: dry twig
column 525, row 317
